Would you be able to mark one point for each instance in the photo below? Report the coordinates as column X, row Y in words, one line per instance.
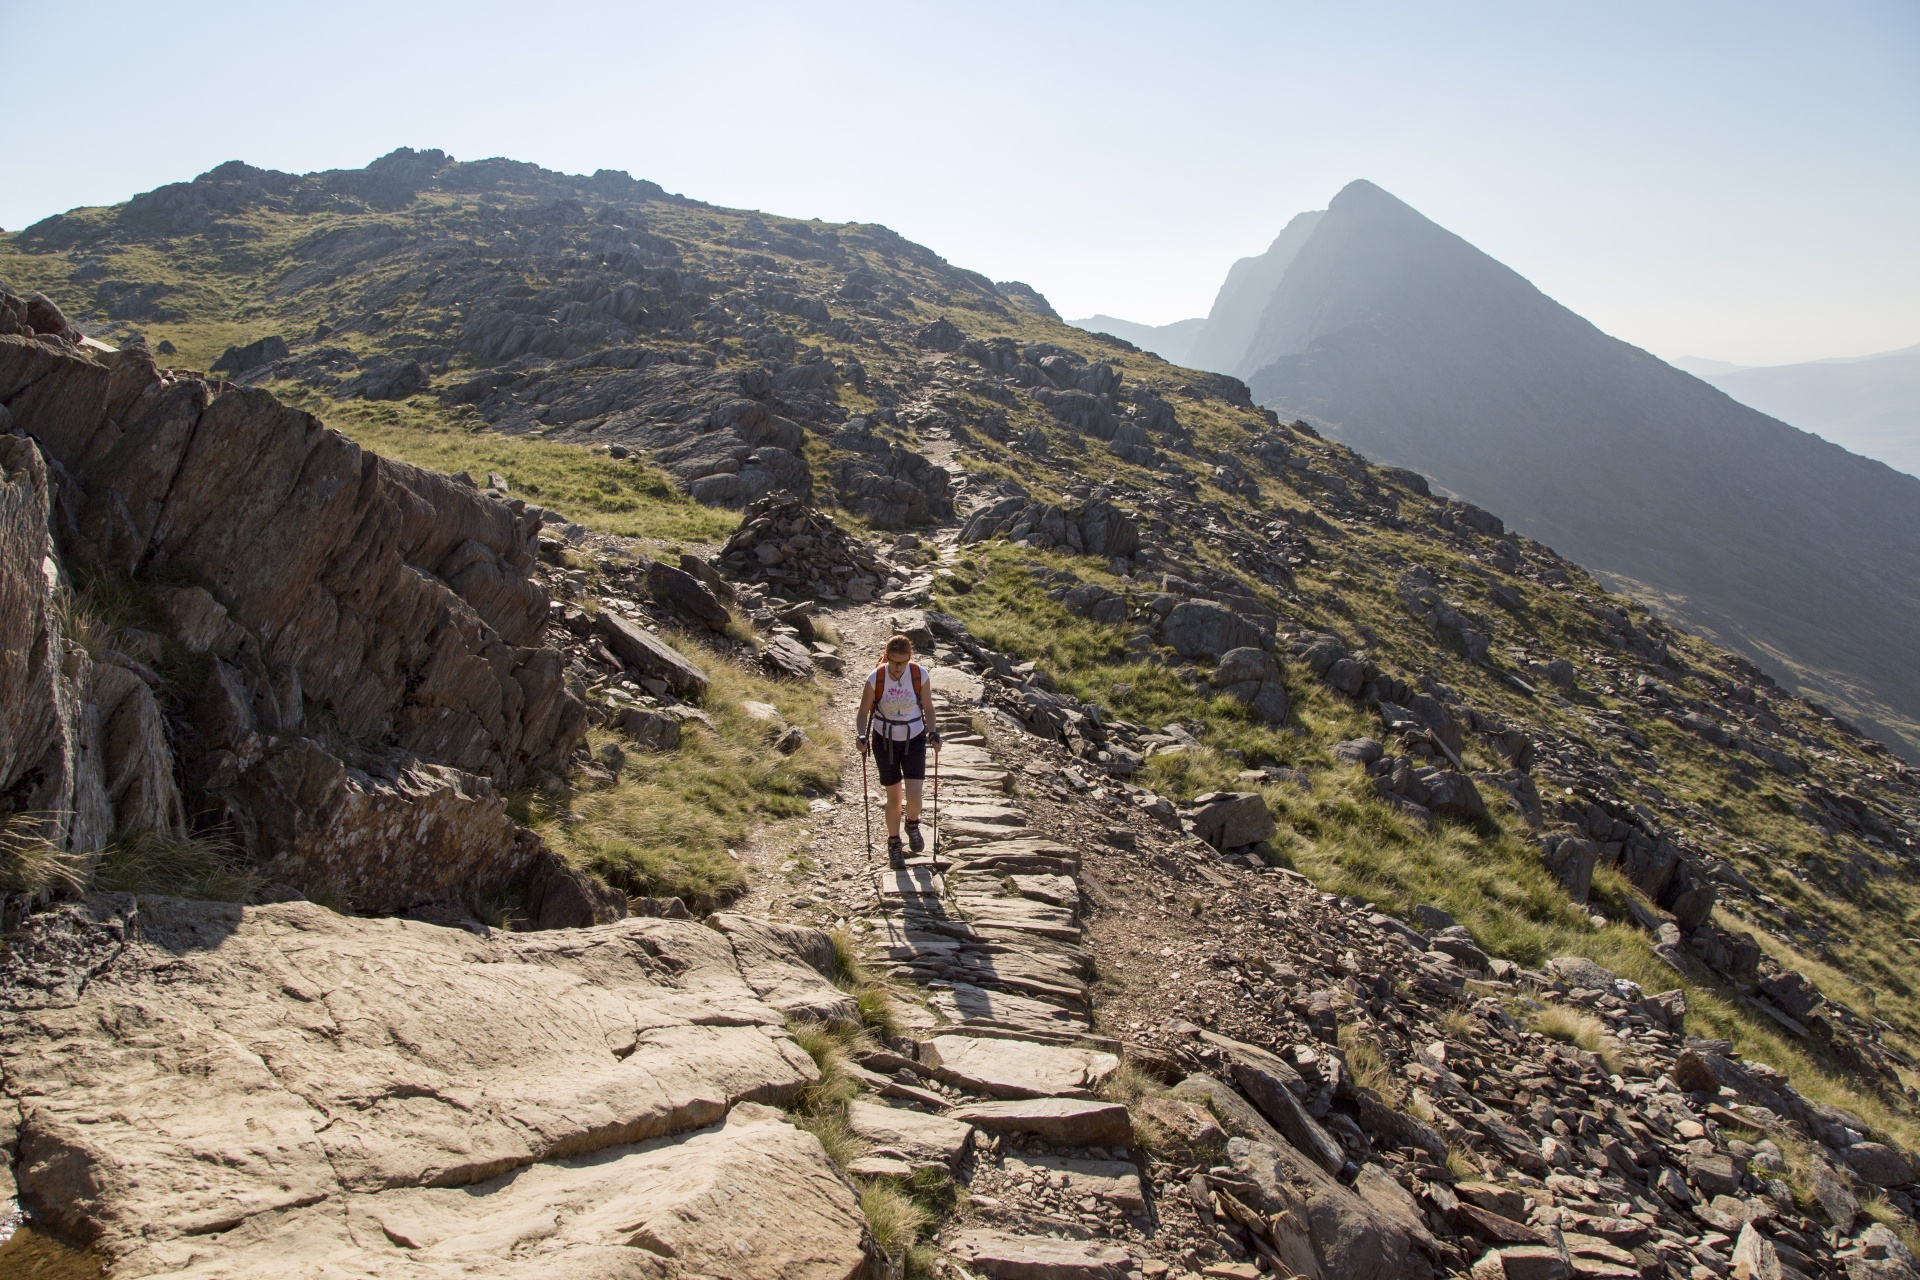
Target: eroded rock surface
column 217, row 1090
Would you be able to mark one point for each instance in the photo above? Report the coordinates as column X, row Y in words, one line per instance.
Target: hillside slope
column 1867, row 404
column 1182, row 592
column 1416, row 348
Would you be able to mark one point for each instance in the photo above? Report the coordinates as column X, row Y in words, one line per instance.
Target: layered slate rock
column 336, row 590
column 237, row 1091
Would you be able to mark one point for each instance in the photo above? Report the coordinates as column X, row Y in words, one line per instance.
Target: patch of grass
column 605, row 494
column 1369, row 1068
column 176, row 866
column 873, row 997
column 1881, row 1210
column 898, row 1221
column 665, row 827
column 29, row 862
column 1575, row 1027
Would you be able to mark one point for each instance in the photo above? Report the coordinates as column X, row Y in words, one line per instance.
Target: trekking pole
column 866, row 808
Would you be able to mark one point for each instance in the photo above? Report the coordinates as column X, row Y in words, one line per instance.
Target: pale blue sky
column 1733, row 180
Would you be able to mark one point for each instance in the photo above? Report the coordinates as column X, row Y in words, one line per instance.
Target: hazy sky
column 1732, row 180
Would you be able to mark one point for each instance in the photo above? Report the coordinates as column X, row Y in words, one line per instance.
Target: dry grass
column 180, row 867
column 665, row 828
column 1583, row 1030
column 29, row 862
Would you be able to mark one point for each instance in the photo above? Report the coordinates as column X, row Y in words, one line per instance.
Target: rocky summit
column 436, row 597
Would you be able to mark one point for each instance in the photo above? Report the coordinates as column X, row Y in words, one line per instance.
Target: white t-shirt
column 897, row 703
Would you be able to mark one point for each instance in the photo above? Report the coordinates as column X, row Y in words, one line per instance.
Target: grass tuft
column 1583, row 1030
column 29, row 862
column 179, row 867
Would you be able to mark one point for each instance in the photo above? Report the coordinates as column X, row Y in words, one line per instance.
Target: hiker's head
column 899, row 649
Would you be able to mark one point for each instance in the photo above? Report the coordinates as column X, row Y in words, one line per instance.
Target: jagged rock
column 1191, row 1127
column 885, row 482
column 1095, row 527
column 395, row 601
column 785, row 656
column 1310, row 1214
column 563, row 897
column 386, row 380
column 462, row 1059
column 1232, row 819
column 646, row 654
column 1065, row 1122
column 1203, row 629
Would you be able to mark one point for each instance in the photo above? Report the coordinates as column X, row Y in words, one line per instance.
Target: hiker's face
column 897, row 659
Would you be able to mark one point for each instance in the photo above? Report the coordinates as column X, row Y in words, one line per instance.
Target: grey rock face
column 395, row 600
column 1202, row 629
column 1232, row 819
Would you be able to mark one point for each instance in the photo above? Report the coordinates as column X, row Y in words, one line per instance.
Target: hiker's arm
column 861, row 718
column 926, row 708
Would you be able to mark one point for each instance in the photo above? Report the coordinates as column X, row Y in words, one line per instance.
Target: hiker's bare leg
column 893, row 807
column 914, row 787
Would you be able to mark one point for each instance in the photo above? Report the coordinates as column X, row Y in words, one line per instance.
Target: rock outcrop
column 249, row 1091
column 360, row 638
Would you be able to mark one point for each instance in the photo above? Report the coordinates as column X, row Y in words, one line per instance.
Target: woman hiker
column 896, row 724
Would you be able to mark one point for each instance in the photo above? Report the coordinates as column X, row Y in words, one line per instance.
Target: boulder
column 1203, row 629
column 654, row 730
column 1232, row 819
column 687, row 592
column 1360, row 751
column 1312, row 1215
column 646, row 654
column 1064, row 1122
column 785, row 656
column 1250, row 675
column 238, row 360
column 559, row 896
column 1878, row 1164
column 295, row 1069
column 1572, row 861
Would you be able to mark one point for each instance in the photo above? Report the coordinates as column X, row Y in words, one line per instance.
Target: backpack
column 913, row 670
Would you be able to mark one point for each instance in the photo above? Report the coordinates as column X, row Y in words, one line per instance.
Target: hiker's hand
column 862, row 745
column 933, row 739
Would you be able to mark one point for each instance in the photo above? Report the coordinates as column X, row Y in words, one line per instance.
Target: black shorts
column 897, row 760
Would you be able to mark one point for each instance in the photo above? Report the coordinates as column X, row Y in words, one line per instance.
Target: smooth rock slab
column 753, row 1199
column 914, row 1134
column 1007, row 1257
column 1064, row 1122
column 224, row 1064
column 1017, row 1068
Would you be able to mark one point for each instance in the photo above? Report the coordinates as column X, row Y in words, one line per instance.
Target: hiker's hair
column 900, row 644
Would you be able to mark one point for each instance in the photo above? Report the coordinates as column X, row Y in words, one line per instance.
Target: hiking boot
column 916, row 841
column 896, row 856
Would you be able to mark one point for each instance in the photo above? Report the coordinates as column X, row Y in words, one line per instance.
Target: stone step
column 1017, row 1069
